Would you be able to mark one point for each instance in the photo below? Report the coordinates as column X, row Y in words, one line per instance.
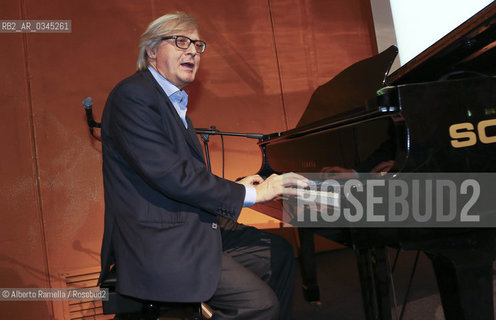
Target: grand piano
column 365, row 120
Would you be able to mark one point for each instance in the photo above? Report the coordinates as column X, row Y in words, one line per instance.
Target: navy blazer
column 161, row 203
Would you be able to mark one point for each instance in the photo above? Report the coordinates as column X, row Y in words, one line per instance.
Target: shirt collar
column 173, row 92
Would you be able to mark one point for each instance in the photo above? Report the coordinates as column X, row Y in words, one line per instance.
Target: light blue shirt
column 179, row 99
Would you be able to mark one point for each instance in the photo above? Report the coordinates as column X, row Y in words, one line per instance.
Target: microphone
column 88, row 105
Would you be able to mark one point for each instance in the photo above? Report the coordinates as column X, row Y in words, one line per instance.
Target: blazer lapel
column 190, row 133
column 194, row 137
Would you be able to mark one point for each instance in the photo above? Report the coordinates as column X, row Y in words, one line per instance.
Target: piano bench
column 130, row 308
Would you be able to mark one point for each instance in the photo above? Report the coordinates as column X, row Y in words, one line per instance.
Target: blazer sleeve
column 138, row 129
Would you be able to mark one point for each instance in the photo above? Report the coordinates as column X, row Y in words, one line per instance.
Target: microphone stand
column 206, row 133
column 203, row 132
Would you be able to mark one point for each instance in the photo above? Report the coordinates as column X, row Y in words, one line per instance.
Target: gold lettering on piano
column 481, row 128
column 463, row 135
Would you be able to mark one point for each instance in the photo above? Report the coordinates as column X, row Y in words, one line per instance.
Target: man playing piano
column 170, row 224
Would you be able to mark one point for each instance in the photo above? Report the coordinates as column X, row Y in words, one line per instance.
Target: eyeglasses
column 183, row 42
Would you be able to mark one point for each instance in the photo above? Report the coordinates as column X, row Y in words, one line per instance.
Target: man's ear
column 152, row 53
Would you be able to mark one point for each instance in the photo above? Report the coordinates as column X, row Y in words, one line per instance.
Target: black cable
column 395, row 260
column 461, row 74
column 205, row 134
column 223, row 155
column 94, row 136
column 409, row 285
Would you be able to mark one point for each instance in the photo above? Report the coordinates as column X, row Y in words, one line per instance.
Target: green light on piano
column 489, row 111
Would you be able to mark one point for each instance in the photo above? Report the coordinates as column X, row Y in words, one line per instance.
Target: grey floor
column 340, row 290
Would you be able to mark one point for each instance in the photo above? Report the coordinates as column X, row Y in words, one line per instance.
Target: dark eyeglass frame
column 199, row 50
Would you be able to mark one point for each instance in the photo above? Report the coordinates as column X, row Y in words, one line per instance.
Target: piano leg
column 465, row 286
column 308, row 266
column 375, row 281
column 382, row 272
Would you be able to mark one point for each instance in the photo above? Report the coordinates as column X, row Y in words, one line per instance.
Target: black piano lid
column 351, row 89
column 470, row 48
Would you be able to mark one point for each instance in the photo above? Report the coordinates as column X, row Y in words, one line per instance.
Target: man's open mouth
column 188, row 65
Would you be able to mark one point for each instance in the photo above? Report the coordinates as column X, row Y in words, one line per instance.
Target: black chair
column 130, row 308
